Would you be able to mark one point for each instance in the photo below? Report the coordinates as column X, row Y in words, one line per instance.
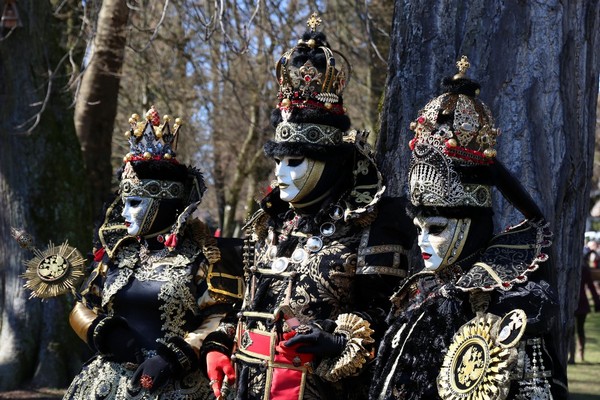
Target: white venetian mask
column 441, row 239
column 136, row 212
column 297, row 176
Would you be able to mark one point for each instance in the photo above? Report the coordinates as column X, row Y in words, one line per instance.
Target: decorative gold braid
column 355, row 355
column 207, row 242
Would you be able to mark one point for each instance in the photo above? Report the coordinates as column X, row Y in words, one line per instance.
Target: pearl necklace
column 311, row 244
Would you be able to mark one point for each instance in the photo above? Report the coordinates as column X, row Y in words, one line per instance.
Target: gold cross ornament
column 462, row 65
column 313, row 22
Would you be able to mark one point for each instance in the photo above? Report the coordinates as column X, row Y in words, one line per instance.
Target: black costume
column 150, row 300
column 319, row 267
column 477, row 325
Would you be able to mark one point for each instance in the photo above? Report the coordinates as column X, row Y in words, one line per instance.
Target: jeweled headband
column 308, row 133
column 152, row 188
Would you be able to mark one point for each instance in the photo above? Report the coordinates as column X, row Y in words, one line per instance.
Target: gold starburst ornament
column 479, row 360
column 51, row 272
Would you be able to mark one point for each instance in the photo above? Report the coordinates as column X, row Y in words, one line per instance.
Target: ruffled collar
column 509, row 258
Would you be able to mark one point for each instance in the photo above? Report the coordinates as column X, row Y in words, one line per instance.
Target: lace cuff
column 358, row 333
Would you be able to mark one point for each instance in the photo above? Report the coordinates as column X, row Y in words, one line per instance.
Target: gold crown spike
column 463, row 65
column 313, row 22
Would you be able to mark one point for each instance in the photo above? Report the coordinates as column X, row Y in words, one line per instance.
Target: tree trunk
column 42, row 189
column 538, row 66
column 96, row 105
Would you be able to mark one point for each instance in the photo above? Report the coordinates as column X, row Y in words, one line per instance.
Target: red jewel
column 421, row 119
column 506, row 284
column 412, row 143
column 160, row 238
column 99, row 254
column 520, row 277
column 296, row 94
column 306, row 78
column 171, row 241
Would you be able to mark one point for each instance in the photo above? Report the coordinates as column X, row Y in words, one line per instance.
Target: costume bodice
column 315, row 285
column 157, row 300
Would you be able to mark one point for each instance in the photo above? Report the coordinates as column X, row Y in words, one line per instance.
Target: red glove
column 218, row 365
column 290, row 353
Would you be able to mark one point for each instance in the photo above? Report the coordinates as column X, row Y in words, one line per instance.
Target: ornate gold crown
column 151, row 140
column 306, row 86
column 459, row 124
column 453, row 132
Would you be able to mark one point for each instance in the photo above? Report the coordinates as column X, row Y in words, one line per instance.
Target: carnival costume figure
column 475, row 322
column 157, row 285
column 319, row 269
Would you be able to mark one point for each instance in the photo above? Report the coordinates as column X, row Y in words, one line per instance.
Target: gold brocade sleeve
column 81, row 319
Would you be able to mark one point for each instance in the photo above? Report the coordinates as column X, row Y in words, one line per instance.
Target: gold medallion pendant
column 480, row 357
column 52, row 272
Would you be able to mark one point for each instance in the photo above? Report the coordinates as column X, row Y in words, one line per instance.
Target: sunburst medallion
column 54, row 271
column 478, row 362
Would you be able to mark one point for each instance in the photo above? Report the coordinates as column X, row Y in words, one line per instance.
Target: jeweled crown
column 308, row 85
column 458, row 122
column 454, row 139
column 149, row 139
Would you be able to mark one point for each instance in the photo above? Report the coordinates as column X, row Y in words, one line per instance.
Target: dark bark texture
column 538, row 65
column 42, row 189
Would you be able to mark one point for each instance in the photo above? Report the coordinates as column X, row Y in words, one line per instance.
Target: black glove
column 314, row 340
column 152, row 373
column 113, row 338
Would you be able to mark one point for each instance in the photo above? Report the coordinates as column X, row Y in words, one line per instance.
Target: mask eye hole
column 436, row 229
column 133, row 202
column 294, row 162
column 277, row 160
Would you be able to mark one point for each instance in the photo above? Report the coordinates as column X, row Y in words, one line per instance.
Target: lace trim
column 355, row 355
column 103, row 379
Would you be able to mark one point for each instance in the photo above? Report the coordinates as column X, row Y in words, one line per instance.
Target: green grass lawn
column 584, row 377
